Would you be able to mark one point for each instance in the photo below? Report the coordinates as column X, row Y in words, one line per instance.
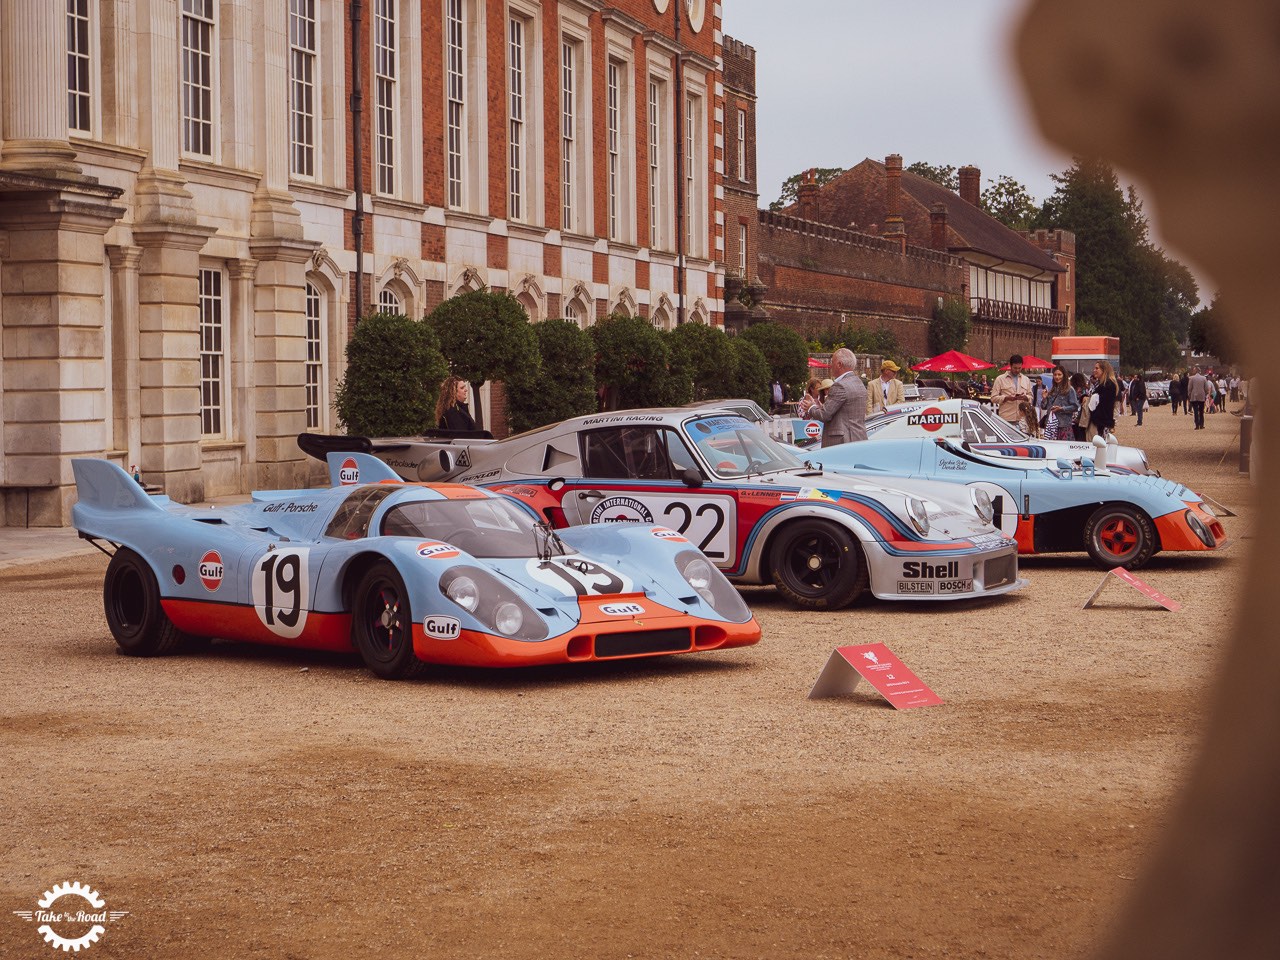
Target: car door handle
column 590, row 494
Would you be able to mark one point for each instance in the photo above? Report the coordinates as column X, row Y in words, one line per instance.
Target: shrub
column 784, row 350
column 949, row 328
column 394, row 372
column 485, row 336
column 702, row 356
column 751, row 375
column 566, row 386
column 630, row 362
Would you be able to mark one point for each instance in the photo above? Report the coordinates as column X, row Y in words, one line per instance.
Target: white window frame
column 386, row 93
column 455, row 67
column 613, row 145
column 465, row 97
column 303, row 89
column 742, row 145
column 695, row 172
column 655, row 127
column 576, row 141
column 213, row 340
column 81, row 44
column 389, row 301
column 317, row 361
column 518, row 29
column 742, row 250
column 619, row 153
column 199, row 78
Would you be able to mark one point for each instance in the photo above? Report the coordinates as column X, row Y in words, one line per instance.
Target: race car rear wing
column 434, row 456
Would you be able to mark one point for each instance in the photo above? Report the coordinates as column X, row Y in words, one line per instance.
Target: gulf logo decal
column 813, row 429
column 662, row 533
column 349, row 472
column 211, row 570
column 621, row 609
column 434, row 550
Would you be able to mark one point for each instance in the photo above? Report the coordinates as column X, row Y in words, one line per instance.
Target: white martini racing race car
column 987, row 434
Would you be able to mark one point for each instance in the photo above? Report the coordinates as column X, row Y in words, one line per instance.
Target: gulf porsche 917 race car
column 984, row 432
column 405, row 574
column 749, row 503
column 1121, row 519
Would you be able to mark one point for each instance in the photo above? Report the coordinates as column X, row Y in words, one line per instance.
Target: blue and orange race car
column 407, row 574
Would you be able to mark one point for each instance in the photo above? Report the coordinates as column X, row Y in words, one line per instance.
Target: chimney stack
column 895, row 229
column 970, row 185
column 807, row 195
column 892, row 186
column 938, row 223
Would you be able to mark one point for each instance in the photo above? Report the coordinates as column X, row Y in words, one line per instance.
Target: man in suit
column 1197, row 394
column 886, row 391
column 844, row 411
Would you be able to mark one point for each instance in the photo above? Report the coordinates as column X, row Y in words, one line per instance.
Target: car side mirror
column 692, row 478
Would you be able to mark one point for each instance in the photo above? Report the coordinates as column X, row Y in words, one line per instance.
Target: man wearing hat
column 1010, row 390
column 886, row 391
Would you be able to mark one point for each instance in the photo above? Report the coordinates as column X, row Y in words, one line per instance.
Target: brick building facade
column 743, row 287
column 177, row 259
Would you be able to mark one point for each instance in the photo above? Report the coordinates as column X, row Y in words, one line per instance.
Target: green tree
column 1126, row 287
column 701, row 354
column 394, row 372
column 485, row 336
column 880, row 341
column 788, row 196
column 944, row 176
column 751, row 375
column 630, row 362
column 1009, row 202
column 1211, row 333
column 950, row 325
column 784, row 350
column 565, row 384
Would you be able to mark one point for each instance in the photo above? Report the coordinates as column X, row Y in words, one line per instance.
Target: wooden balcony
column 1001, row 311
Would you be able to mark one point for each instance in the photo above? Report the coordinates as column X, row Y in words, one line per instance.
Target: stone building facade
column 177, row 258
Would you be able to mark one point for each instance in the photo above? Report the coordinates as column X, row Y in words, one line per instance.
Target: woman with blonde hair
column 1102, row 405
column 451, row 409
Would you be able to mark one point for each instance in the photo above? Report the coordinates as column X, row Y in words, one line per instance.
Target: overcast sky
column 932, row 80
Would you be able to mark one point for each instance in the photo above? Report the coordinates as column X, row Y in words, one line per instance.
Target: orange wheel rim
column 1118, row 536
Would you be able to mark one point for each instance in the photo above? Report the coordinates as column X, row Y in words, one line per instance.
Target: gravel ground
column 251, row 802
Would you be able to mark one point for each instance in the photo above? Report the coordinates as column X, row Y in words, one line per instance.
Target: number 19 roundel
column 280, row 591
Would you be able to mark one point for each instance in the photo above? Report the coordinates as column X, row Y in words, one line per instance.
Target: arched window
column 660, row 318
column 388, row 302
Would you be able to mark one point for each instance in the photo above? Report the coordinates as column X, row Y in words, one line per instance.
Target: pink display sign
column 1144, row 588
column 877, row 664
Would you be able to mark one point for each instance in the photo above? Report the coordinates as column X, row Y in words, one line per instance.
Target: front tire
column 382, row 624
column 131, row 601
column 818, row 565
column 1119, row 536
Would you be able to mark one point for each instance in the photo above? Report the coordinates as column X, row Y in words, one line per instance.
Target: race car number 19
column 280, row 591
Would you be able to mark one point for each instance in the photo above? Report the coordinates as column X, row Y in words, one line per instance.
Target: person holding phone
column 1011, row 389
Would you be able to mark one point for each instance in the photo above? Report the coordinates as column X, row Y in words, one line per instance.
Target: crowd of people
column 1058, row 405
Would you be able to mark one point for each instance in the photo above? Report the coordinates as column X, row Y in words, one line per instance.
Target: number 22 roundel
column 280, row 591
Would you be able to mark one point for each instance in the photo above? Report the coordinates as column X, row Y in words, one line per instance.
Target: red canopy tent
column 953, row 361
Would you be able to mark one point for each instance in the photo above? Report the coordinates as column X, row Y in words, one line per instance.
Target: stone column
column 273, row 213
column 33, row 115
column 169, row 355
column 280, row 353
column 161, row 190
column 242, row 398
column 126, row 411
column 54, row 375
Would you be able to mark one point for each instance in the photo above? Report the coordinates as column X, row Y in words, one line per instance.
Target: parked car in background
column 796, row 431
column 1157, row 392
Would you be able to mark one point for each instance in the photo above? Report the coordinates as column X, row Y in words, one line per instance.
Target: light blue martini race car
column 1050, row 506
column 404, row 573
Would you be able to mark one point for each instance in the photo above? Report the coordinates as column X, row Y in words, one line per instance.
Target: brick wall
column 818, row 276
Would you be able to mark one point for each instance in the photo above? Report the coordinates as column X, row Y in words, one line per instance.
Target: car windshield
column 981, row 427
column 483, row 528
column 734, row 447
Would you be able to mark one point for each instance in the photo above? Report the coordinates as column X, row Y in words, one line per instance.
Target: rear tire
column 382, row 624
column 818, row 565
column 1119, row 536
column 131, row 601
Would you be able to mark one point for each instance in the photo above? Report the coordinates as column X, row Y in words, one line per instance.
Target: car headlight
column 1204, row 505
column 918, row 515
column 493, row 603
column 982, row 503
column 464, row 592
column 1200, row 530
column 710, row 584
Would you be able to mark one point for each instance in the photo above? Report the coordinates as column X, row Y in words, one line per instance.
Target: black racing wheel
column 818, row 564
